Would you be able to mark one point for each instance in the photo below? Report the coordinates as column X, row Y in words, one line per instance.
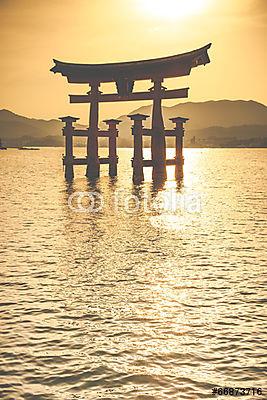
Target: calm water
column 151, row 303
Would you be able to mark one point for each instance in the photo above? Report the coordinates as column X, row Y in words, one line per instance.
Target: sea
column 111, row 290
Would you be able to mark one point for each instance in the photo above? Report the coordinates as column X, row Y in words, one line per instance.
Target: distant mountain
column 13, row 125
column 16, row 130
column 211, row 123
column 211, row 115
column 223, row 113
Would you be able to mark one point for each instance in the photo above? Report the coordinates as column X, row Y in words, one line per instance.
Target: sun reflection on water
column 108, row 305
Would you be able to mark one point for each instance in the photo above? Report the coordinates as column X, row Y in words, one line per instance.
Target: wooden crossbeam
column 83, row 161
column 167, row 132
column 81, row 132
column 86, row 133
column 103, row 133
column 113, row 97
column 147, row 132
column 149, row 163
column 171, row 132
column 107, row 160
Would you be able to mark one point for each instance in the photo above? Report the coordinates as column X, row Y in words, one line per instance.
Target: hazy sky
column 33, row 32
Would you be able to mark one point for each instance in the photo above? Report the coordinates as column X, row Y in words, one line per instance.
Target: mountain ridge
column 242, row 119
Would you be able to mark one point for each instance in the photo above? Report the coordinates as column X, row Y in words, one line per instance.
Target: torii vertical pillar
column 158, row 143
column 93, row 164
column 68, row 131
column 137, row 161
column 112, row 145
column 179, row 134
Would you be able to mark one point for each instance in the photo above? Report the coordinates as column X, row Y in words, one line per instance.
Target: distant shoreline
column 186, row 147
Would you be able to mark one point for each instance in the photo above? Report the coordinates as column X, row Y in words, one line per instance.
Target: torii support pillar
column 68, row 131
column 93, row 164
column 137, row 161
column 112, row 145
column 158, row 143
column 179, row 134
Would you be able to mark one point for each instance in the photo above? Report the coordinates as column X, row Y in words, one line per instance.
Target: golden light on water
column 152, row 297
column 173, row 9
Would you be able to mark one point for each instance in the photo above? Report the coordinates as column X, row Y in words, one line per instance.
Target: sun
column 173, row 9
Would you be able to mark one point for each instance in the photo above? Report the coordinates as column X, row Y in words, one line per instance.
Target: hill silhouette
column 207, row 118
column 221, row 123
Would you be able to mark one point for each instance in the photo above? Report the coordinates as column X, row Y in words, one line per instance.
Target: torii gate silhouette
column 125, row 74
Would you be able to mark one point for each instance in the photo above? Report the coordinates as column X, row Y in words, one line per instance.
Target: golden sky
column 33, row 32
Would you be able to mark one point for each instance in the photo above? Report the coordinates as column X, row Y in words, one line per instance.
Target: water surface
column 160, row 303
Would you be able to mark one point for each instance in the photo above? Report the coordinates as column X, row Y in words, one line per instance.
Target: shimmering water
column 153, row 304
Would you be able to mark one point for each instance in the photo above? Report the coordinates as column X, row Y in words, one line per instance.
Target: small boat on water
column 1, row 146
column 28, row 148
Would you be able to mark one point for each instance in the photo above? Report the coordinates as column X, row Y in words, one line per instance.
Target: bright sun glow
column 173, row 8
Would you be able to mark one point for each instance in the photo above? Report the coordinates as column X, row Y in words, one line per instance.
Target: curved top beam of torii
column 128, row 72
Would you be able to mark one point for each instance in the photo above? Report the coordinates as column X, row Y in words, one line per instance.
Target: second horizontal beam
column 113, row 97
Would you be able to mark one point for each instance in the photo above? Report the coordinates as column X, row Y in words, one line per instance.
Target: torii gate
column 124, row 75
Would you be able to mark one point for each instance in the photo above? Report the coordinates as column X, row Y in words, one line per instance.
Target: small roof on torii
column 165, row 67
